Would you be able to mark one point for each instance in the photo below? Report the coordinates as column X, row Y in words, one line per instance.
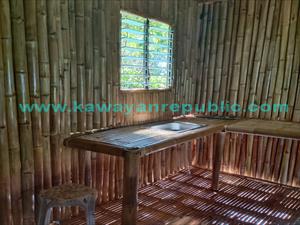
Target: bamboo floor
column 240, row 200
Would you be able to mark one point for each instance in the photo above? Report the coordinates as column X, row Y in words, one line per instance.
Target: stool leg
column 90, row 211
column 44, row 213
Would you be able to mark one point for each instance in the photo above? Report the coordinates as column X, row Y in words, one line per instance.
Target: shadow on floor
column 240, row 200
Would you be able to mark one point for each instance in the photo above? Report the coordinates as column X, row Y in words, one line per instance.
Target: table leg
column 130, row 188
column 217, row 161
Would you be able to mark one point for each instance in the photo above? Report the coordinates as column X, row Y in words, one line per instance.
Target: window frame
column 172, row 76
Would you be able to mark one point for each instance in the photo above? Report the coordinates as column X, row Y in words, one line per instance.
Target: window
column 146, row 53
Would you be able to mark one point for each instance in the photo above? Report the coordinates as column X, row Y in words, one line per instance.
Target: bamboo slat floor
column 240, row 200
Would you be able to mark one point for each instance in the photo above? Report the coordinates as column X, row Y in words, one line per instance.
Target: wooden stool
column 67, row 195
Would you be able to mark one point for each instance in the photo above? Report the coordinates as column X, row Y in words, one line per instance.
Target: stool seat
column 68, row 192
column 67, row 195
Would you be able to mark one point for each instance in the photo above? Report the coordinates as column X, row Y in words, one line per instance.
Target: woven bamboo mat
column 241, row 200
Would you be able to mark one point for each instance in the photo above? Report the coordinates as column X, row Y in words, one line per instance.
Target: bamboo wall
column 244, row 52
column 267, row 158
column 60, row 51
column 68, row 50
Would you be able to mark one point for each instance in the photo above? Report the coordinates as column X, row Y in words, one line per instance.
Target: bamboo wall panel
column 244, row 52
column 247, row 52
column 268, row 158
column 67, row 51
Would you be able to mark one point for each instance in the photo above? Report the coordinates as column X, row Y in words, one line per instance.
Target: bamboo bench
column 67, row 195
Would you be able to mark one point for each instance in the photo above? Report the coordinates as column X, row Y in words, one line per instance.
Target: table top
column 141, row 138
column 144, row 140
column 266, row 127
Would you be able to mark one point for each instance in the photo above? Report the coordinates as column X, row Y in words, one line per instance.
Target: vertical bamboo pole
column 96, row 21
column 105, row 190
column 220, row 52
column 72, row 28
column 293, row 101
column 65, row 24
column 81, row 91
column 112, row 186
column 267, row 167
column 88, row 30
column 242, row 165
column 213, row 52
column 103, row 46
column 238, row 152
column 258, row 55
column 34, row 90
column 24, row 119
column 52, row 12
column 261, row 69
column 206, row 53
column 246, row 54
column 236, row 13
column 278, row 158
column 292, row 162
column 269, row 82
column 296, row 178
column 5, row 190
column 227, row 51
column 273, row 156
column 11, row 117
column 285, row 162
column 44, row 75
column 108, row 28
column 234, row 83
column 286, row 8
column 100, row 180
column 74, row 91
column 254, row 156
column 275, row 62
column 260, row 159
column 115, row 56
column 249, row 153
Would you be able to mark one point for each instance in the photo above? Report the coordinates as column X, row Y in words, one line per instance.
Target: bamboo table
column 133, row 142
